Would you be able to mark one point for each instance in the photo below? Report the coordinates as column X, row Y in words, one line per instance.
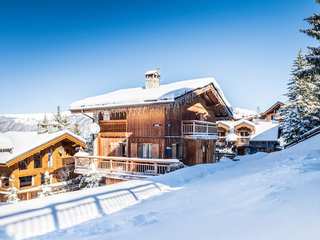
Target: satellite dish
column 94, row 128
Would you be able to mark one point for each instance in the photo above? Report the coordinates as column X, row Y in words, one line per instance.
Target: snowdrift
column 262, row 196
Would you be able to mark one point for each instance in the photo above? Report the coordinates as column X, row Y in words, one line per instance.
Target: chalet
column 159, row 121
column 27, row 157
column 272, row 113
column 244, row 136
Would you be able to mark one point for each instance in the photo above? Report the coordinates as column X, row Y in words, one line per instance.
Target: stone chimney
column 152, row 79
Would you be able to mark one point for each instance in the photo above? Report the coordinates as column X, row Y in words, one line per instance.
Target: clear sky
column 55, row 52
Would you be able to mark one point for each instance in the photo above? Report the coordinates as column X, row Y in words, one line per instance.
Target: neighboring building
column 244, row 136
column 272, row 113
column 27, row 157
column 175, row 120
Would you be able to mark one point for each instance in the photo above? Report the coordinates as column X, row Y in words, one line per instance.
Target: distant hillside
column 28, row 122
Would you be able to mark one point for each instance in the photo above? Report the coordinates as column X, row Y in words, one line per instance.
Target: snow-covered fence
column 124, row 165
column 305, row 136
column 40, row 216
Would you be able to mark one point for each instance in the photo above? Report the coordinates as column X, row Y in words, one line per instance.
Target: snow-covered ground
column 262, row 196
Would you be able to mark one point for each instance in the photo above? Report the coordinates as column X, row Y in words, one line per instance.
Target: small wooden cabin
column 174, row 120
column 25, row 158
column 272, row 113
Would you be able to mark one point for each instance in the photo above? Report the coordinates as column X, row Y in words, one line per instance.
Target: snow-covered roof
column 5, row 142
column 23, row 142
column 232, row 124
column 263, row 130
column 151, row 71
column 239, row 113
column 266, row 131
column 141, row 96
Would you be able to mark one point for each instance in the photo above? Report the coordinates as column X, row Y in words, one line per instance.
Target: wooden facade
column 26, row 172
column 156, row 130
column 272, row 113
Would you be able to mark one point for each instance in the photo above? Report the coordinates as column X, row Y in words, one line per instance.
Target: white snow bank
column 43, row 215
column 262, row 196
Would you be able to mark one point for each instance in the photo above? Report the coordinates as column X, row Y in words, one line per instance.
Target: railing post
column 207, row 129
column 156, row 168
column 193, row 127
column 110, row 164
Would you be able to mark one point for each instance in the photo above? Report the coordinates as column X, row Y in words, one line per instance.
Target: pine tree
column 312, row 70
column 298, row 112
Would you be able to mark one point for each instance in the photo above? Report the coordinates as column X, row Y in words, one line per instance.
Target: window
column 43, row 178
column 37, row 161
column 145, row 150
column 244, row 134
column 5, row 182
column 221, row 134
column 23, row 165
column 26, row 181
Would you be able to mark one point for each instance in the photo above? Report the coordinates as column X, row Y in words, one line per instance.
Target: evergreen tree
column 311, row 71
column 298, row 112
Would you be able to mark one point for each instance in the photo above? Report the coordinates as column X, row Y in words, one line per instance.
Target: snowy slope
column 262, row 196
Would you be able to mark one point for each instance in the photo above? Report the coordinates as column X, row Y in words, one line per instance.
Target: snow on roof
column 135, row 96
column 152, row 71
column 24, row 142
column 5, row 142
column 239, row 113
column 266, row 131
column 231, row 124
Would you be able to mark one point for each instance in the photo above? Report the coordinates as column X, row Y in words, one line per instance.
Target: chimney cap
column 153, row 71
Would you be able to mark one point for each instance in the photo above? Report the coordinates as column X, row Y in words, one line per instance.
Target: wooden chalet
column 26, row 158
column 170, row 121
column 272, row 113
column 244, row 136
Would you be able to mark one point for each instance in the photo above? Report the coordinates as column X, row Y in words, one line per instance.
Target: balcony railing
column 120, row 166
column 243, row 141
column 111, row 126
column 199, row 129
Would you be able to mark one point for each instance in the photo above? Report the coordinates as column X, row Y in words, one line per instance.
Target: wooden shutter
column 134, row 150
column 155, row 151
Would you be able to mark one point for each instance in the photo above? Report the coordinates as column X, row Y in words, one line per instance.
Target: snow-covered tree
column 91, row 180
column 46, row 188
column 298, row 112
column 312, row 70
column 13, row 192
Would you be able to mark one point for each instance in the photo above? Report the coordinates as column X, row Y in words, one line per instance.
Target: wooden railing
column 113, row 125
column 202, row 129
column 124, row 165
column 243, row 141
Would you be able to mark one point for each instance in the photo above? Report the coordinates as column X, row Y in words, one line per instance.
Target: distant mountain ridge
column 29, row 121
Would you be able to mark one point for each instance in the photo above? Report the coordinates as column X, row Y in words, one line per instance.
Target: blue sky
column 55, row 52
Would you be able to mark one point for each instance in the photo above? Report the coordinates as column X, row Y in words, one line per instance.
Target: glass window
column 37, row 161
column 23, row 165
column 144, row 150
column 25, row 181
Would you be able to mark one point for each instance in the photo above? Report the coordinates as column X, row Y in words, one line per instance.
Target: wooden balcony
column 114, row 128
column 199, row 129
column 124, row 167
column 243, row 141
column 113, row 125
